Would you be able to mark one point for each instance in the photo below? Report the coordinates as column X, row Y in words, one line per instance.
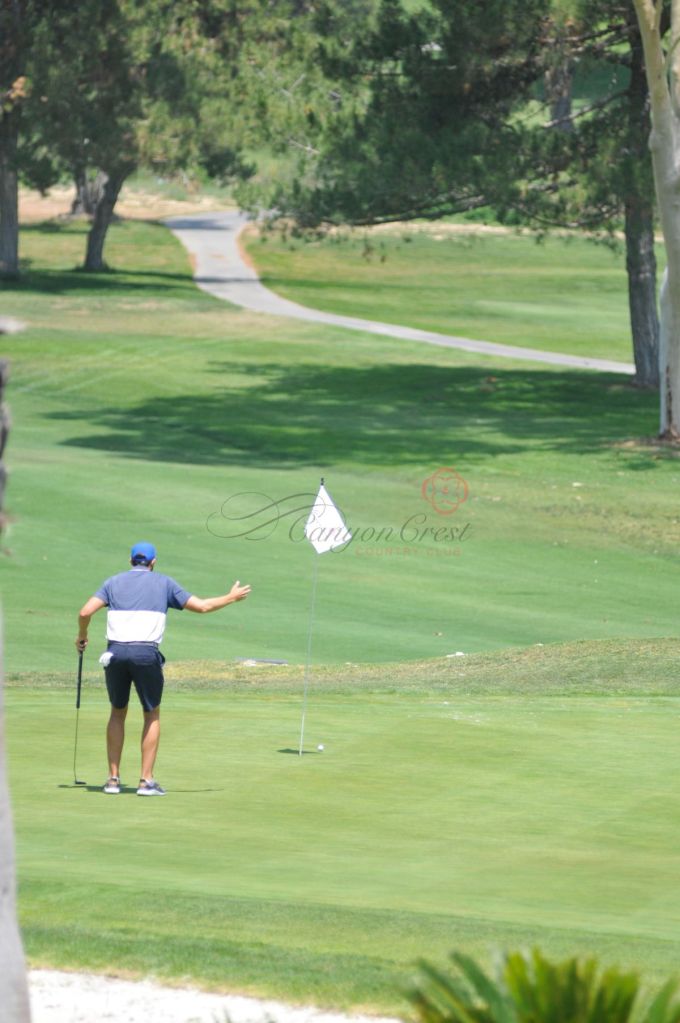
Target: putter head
column 76, row 782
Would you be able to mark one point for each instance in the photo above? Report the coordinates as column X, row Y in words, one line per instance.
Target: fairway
column 430, row 821
column 557, row 294
column 142, row 405
column 497, row 700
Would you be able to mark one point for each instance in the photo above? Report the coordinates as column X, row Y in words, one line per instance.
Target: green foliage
column 592, row 155
column 147, row 83
column 19, row 20
column 529, row 988
column 85, row 92
column 386, row 113
column 400, row 113
column 453, row 106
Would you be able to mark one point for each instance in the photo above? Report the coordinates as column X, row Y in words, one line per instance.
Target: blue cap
column 143, row 551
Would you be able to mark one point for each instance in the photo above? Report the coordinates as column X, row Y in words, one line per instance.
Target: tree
column 662, row 67
column 19, row 20
column 399, row 114
column 13, row 988
column 33, row 31
column 86, row 101
column 430, row 114
column 9, row 195
column 140, row 87
column 14, row 31
column 599, row 171
column 640, row 219
column 89, row 188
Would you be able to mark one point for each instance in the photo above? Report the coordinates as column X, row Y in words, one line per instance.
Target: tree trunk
column 558, row 80
column 669, row 360
column 664, row 146
column 641, row 268
column 639, row 218
column 89, row 193
column 558, row 83
column 663, row 79
column 9, row 197
column 14, row 1003
column 13, row 986
column 94, row 257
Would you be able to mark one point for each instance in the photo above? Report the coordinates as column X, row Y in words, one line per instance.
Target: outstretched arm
column 93, row 605
column 203, row 605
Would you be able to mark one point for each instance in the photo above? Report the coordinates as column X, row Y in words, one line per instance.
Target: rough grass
column 602, row 668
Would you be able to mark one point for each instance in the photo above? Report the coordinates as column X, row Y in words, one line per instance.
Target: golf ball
column 320, row 747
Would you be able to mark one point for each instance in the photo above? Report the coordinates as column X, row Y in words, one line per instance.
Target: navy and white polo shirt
column 138, row 601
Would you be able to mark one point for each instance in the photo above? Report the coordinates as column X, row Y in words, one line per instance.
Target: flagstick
column 309, row 649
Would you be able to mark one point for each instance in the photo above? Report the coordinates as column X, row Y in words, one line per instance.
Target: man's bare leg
column 150, row 738
column 115, row 737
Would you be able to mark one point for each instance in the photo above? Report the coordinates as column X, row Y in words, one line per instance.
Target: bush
column 530, row 989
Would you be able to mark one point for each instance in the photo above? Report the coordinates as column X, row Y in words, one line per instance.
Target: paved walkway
column 219, row 268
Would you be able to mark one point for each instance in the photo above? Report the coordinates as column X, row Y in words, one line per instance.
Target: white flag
column 325, row 529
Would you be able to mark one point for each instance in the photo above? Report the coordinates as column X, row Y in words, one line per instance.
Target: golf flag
column 325, row 528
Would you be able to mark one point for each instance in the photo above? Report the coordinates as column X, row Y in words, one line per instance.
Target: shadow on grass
column 126, row 790
column 285, row 416
column 36, row 278
column 60, row 282
column 305, row 752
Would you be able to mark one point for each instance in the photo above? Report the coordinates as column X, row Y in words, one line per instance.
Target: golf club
column 75, row 744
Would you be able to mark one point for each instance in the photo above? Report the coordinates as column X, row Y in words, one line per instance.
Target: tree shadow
column 309, row 287
column 193, row 223
column 77, row 280
column 283, row 416
column 36, row 278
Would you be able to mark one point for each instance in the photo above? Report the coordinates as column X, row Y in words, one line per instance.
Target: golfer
column 137, row 602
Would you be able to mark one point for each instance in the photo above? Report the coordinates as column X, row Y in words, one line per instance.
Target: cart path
column 220, row 269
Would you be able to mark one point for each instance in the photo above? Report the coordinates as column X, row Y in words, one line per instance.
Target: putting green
column 429, row 821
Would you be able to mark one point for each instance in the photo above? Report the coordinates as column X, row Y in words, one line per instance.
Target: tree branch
column 304, row 146
column 569, row 118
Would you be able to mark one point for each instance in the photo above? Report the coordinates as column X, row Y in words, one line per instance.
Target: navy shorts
column 138, row 664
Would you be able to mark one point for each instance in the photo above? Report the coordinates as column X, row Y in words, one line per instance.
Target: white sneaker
column 112, row 786
column 149, row 788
